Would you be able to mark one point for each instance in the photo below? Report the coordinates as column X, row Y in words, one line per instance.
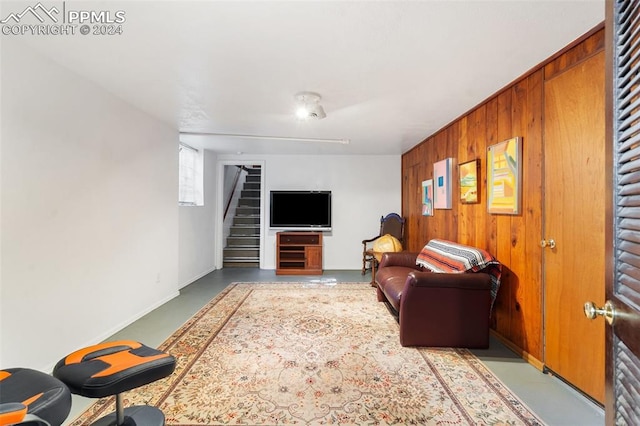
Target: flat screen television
column 300, row 210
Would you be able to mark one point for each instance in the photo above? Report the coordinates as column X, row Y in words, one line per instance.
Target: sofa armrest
column 401, row 258
column 471, row 281
column 445, row 310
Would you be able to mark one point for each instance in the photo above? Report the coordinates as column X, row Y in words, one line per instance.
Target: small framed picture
column 427, row 197
column 442, row 184
column 469, row 189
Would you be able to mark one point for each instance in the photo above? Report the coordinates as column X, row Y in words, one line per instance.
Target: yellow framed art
column 504, row 172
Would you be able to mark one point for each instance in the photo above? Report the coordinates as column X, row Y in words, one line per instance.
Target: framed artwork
column 427, row 197
column 504, row 170
column 442, row 184
column 469, row 189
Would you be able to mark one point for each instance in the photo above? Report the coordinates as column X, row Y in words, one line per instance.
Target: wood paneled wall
column 515, row 240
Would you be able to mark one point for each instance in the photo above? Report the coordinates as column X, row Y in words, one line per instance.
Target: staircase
column 243, row 242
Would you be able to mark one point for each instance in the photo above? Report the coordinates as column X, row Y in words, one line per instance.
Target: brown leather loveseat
column 441, row 296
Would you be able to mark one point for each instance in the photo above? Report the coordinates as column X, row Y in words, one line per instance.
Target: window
column 191, row 176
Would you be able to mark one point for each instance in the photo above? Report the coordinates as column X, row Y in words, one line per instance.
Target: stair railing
column 233, row 191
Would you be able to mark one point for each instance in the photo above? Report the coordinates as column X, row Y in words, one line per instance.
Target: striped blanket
column 449, row 257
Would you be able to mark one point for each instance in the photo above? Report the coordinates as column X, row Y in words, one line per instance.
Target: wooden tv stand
column 299, row 253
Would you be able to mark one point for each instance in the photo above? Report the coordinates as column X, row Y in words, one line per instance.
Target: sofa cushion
column 392, row 280
column 448, row 257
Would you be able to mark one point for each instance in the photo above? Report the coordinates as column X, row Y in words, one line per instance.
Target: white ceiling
column 390, row 72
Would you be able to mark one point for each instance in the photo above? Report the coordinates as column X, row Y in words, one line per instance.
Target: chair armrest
column 15, row 413
column 400, row 258
column 371, row 239
column 12, row 412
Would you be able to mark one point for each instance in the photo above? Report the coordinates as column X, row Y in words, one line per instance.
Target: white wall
column 91, row 234
column 363, row 189
column 89, row 211
column 196, row 232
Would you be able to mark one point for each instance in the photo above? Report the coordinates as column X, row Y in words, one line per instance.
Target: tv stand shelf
column 299, row 253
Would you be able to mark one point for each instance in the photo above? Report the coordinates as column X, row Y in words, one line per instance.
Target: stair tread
column 239, row 259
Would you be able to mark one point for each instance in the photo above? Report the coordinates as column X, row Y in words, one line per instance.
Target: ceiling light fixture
column 269, row 138
column 309, row 106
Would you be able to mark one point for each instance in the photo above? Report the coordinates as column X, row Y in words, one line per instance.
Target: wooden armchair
column 391, row 224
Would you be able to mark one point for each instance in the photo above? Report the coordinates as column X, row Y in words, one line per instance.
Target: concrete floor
column 551, row 399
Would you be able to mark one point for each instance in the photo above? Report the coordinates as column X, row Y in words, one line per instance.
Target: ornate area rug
column 315, row 354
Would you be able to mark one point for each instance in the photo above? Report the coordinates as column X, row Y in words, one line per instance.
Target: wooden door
column 574, row 132
column 623, row 220
column 313, row 255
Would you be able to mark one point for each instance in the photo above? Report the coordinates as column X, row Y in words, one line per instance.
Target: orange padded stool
column 112, row 368
column 32, row 397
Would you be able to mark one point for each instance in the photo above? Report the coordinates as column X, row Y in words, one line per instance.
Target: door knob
column 548, row 243
column 607, row 311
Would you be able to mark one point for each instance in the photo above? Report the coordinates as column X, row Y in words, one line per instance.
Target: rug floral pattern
column 315, row 354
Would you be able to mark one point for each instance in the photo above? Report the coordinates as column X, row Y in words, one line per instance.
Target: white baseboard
column 104, row 336
column 196, row 278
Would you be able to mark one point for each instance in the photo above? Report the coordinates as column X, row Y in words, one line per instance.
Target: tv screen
column 300, row 210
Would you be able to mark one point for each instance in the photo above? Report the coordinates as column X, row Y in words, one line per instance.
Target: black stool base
column 138, row 415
